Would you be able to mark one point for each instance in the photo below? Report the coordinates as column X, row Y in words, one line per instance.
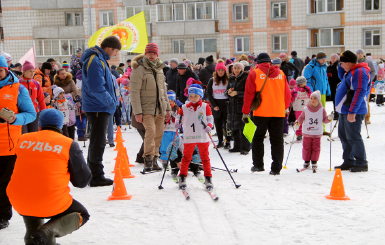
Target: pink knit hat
column 282, row 55
column 381, row 70
column 27, row 66
column 125, row 82
column 220, row 66
column 292, row 82
column 152, row 48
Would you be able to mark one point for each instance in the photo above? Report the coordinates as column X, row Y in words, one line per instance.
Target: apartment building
column 198, row 28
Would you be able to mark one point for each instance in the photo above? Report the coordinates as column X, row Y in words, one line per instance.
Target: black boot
column 208, row 182
column 359, row 168
column 47, row 233
column 101, row 181
column 155, row 165
column 31, row 225
column 234, row 150
column 257, row 169
column 3, row 223
column 182, row 181
column 148, row 163
column 139, row 158
column 344, row 166
column 220, row 144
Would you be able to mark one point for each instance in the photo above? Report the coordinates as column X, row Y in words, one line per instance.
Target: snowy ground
column 285, row 209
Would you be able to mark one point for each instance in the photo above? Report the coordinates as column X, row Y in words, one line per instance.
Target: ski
column 209, row 190
column 300, row 170
column 296, row 141
column 185, row 193
column 175, row 178
column 333, row 139
column 150, row 172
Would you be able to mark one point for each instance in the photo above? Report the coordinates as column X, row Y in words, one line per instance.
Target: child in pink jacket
column 312, row 117
column 300, row 96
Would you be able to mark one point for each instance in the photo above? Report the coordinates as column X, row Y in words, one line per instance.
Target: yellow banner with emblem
column 132, row 33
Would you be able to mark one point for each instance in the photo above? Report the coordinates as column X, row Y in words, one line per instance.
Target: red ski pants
column 203, row 153
column 299, row 131
column 311, row 149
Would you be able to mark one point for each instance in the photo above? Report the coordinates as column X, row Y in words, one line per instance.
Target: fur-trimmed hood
column 65, row 82
column 138, row 60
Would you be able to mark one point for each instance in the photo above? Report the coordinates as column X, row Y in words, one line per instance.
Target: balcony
column 53, row 32
column 57, row 4
column 325, row 20
column 186, row 27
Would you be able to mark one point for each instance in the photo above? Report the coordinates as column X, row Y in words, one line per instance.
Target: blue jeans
column 352, row 144
column 81, row 124
column 110, row 130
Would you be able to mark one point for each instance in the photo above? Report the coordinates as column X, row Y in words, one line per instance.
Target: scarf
column 152, row 64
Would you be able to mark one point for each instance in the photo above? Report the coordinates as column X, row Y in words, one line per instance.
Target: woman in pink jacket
column 312, row 117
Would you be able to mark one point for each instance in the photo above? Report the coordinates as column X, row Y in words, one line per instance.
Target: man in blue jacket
column 317, row 79
column 16, row 109
column 351, row 104
column 99, row 102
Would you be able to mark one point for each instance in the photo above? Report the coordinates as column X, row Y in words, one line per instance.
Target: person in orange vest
column 16, row 109
column 42, row 77
column 271, row 112
column 39, row 190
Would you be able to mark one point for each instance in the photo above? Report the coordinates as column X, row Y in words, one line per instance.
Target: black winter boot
column 139, row 158
column 344, row 166
column 155, row 165
column 148, row 163
column 47, row 233
column 31, row 225
column 208, row 182
column 182, row 181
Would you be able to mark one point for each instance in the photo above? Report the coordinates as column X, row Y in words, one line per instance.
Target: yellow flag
column 132, row 33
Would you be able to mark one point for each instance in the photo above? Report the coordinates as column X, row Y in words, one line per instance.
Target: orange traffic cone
column 118, row 135
column 117, row 162
column 119, row 144
column 337, row 192
column 127, row 158
column 119, row 191
column 126, row 172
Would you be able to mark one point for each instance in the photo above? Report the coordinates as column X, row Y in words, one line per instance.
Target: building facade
column 197, row 28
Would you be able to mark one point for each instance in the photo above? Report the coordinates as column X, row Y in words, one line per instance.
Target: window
column 372, row 5
column 178, row 46
column 74, row 19
column 323, row 6
column 240, row 12
column 106, row 18
column 327, row 37
column 278, row 10
column 279, row 43
column 242, row 44
column 164, row 12
column 58, row 47
column 200, row 11
column 204, row 45
column 178, row 11
column 131, row 11
column 372, row 37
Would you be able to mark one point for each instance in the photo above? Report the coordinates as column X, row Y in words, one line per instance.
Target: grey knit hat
column 360, row 51
column 301, row 80
column 276, row 61
column 174, row 60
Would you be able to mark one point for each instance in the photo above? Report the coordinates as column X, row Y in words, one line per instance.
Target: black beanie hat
column 293, row 53
column 181, row 66
column 209, row 59
column 263, row 58
column 111, row 42
column 201, row 61
column 46, row 65
column 348, row 56
column 50, row 60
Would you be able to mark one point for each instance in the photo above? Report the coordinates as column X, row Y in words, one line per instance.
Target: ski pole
column 335, row 125
column 367, row 132
column 291, row 144
column 221, row 169
column 216, row 148
column 330, row 137
column 160, row 187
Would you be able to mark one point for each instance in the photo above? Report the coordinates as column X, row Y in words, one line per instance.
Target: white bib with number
column 313, row 122
column 193, row 129
column 63, row 108
column 171, row 125
column 301, row 101
column 380, row 88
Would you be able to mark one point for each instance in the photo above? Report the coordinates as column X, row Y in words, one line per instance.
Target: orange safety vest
column 273, row 95
column 39, row 183
column 8, row 139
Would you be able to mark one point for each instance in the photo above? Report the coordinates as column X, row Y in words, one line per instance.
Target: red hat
column 292, row 82
column 220, row 66
column 27, row 66
column 152, row 48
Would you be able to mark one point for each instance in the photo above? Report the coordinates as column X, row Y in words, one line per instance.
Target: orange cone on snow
column 127, row 158
column 119, row 191
column 124, row 168
column 337, row 192
column 118, row 135
column 117, row 163
column 119, row 144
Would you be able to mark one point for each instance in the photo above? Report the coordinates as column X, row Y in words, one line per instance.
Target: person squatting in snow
column 300, row 97
column 195, row 134
column 312, row 117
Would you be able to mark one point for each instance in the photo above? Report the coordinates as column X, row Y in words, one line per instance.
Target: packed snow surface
column 286, row 209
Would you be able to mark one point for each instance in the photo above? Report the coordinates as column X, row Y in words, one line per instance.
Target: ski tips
column 237, row 186
column 160, row 187
column 235, row 170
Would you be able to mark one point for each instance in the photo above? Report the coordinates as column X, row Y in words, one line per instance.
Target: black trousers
column 379, row 99
column 75, row 207
column 275, row 127
column 99, row 122
column 31, row 127
column 7, row 164
column 220, row 119
column 240, row 141
column 142, row 134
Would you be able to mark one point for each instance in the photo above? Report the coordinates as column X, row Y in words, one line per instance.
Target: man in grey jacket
column 149, row 101
column 361, row 58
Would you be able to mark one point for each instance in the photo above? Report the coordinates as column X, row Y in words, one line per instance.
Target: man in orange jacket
column 38, row 190
column 271, row 112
